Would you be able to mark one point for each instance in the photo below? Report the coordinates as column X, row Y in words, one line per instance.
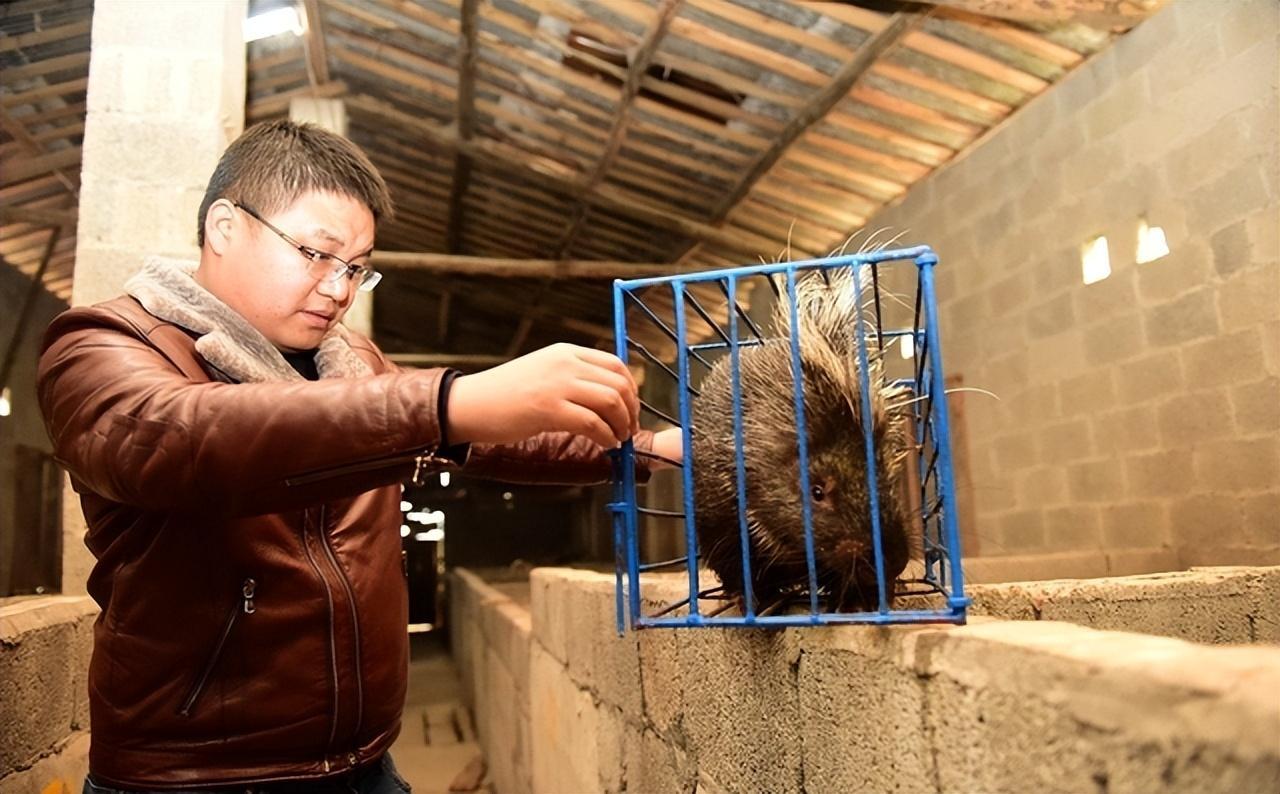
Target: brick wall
column 1138, row 415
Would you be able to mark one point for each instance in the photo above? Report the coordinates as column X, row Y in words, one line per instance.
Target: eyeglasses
column 322, row 266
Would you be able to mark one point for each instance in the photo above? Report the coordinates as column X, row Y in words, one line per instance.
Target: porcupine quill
column 839, row 493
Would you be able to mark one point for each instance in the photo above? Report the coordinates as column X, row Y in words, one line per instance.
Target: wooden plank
column 464, row 124
column 1018, row 37
column 928, row 152
column 864, row 19
column 771, row 26
column 39, row 165
column 44, row 92
column 59, row 33
column 705, row 36
column 279, row 103
column 988, row 107
column 552, row 176
column 316, row 55
column 75, row 60
column 640, row 59
column 966, row 58
column 819, row 106
column 37, row 216
column 1102, row 14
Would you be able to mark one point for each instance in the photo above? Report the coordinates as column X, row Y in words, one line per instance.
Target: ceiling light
column 272, row 23
column 444, row 479
column 5, row 406
column 908, row 346
column 1095, row 260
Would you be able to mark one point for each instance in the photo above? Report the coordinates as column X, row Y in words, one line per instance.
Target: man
column 238, row 454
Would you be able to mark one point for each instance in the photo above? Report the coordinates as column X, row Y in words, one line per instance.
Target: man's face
column 266, row 279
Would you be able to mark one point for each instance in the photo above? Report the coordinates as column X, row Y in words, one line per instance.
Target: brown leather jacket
column 253, row 621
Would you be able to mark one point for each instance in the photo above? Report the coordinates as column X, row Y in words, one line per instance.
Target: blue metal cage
column 937, row 593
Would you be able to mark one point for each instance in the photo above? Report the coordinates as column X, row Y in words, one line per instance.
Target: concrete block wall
column 165, row 98
column 999, row 705
column 1138, row 425
column 45, row 643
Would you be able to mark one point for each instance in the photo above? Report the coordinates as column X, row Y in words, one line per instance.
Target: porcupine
column 839, row 493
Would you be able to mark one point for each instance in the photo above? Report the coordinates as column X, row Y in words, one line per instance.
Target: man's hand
column 669, row 444
column 561, row 387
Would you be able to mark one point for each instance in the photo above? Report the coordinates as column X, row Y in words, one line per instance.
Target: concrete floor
column 437, row 741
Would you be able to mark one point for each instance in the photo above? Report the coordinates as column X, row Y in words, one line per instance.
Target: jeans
column 379, row 777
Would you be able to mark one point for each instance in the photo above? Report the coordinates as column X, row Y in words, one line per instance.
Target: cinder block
column 1200, row 159
column 1134, row 525
column 1022, row 530
column 1042, row 486
column 561, row 715
column 1248, row 299
column 1114, row 340
column 1116, row 294
column 1232, row 249
column 1239, row 464
column 1160, row 474
column 1126, row 431
column 1151, row 376
column 1065, row 442
column 1074, row 526
column 616, row 658
column 1051, row 317
column 1264, row 232
column 1118, row 107
column 44, row 658
column 610, row 728
column 655, row 765
column 863, row 713
column 1260, row 524
column 1011, row 294
column 1230, row 358
column 549, row 608
column 1186, row 269
column 1232, row 195
column 1096, row 481
column 1204, row 519
column 505, row 732
column 1034, row 405
column 1192, row 316
column 1016, row 452
column 1089, row 393
column 751, row 675
column 1190, row 419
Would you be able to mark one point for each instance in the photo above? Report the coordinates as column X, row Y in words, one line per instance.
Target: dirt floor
column 437, row 747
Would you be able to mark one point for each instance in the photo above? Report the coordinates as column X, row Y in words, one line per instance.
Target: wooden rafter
column 19, row 133
column 817, row 109
column 465, row 122
column 1120, row 14
column 317, row 56
column 37, row 216
column 631, row 85
column 557, row 179
column 489, row 266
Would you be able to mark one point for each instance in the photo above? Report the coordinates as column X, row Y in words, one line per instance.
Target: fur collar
column 167, row 289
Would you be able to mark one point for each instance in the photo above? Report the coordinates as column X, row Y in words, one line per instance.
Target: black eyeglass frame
column 368, row 277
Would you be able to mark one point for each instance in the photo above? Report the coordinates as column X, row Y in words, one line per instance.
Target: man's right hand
column 562, row 387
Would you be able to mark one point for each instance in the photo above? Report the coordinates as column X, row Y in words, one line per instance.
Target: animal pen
column 879, row 321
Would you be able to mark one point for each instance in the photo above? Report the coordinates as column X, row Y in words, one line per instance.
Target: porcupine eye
column 819, row 493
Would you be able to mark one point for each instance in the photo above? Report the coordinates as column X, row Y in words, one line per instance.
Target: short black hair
column 274, row 163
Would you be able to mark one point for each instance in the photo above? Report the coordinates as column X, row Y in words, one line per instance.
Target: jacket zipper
column 247, row 604
column 355, row 620
column 333, row 645
column 420, row 458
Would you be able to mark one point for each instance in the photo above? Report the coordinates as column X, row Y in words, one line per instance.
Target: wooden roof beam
column 558, row 179
column 40, row 217
column 526, row 268
column 817, row 108
column 317, row 57
column 1105, row 14
column 465, row 122
column 636, row 72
